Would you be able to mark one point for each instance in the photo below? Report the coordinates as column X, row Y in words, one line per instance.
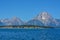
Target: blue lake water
column 30, row 34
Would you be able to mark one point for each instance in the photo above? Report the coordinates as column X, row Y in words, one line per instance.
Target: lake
column 30, row 34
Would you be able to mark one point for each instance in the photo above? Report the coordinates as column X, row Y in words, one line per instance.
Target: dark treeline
column 23, row 26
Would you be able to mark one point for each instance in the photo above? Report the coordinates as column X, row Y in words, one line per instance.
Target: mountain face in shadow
column 35, row 22
column 42, row 19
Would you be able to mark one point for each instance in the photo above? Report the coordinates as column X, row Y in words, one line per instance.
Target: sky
column 28, row 9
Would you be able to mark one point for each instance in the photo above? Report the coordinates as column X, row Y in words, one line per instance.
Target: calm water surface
column 30, row 34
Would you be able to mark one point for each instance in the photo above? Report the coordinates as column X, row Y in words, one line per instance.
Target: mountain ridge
column 42, row 19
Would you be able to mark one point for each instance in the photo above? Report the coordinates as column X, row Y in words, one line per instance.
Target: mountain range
column 42, row 19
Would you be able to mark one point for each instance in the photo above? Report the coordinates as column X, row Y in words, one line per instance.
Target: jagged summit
column 16, row 21
column 46, row 19
column 44, row 16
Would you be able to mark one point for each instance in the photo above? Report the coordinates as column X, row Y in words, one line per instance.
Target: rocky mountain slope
column 42, row 19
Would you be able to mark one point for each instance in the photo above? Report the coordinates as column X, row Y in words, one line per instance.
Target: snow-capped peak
column 44, row 16
column 16, row 21
column 46, row 19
